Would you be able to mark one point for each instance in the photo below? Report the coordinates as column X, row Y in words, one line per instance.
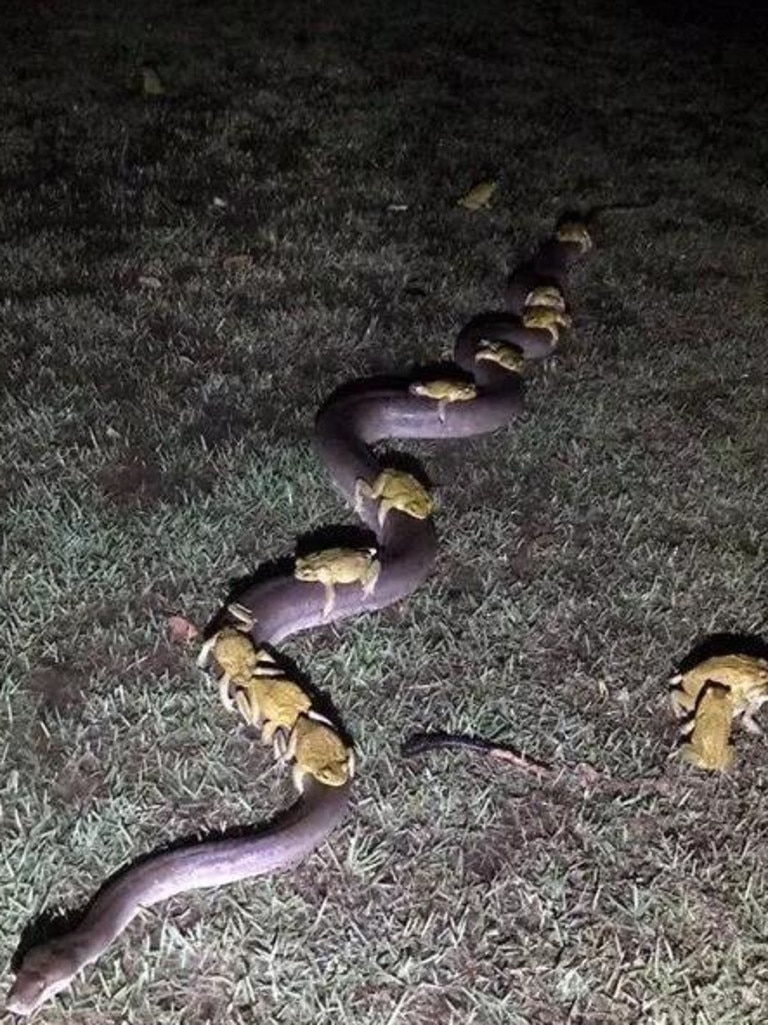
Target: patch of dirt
column 48, row 750
column 59, row 688
column 525, row 825
column 131, row 482
column 533, row 538
column 82, row 782
column 219, row 424
column 164, row 659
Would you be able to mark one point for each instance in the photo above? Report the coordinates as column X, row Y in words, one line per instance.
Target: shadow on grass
column 726, row 643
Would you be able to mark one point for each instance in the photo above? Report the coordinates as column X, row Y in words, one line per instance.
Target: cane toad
column 333, row 566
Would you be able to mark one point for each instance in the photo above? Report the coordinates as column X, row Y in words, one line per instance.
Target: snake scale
column 483, row 392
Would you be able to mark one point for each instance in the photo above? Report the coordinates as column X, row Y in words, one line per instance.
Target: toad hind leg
column 330, row 600
column 681, row 702
column 298, row 775
column 269, row 731
column 205, row 653
column 750, row 724
column 371, row 577
column 226, row 694
column 248, row 709
column 280, row 745
column 362, row 490
column 384, row 506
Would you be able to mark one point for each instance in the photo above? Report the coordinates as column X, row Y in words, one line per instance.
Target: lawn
column 183, row 279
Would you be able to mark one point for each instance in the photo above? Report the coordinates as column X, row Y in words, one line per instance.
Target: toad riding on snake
column 483, row 391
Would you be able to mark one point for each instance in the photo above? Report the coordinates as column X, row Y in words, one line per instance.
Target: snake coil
column 490, row 353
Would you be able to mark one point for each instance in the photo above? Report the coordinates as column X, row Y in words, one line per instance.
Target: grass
column 158, row 407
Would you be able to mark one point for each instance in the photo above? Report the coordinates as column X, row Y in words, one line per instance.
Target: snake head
column 44, row 971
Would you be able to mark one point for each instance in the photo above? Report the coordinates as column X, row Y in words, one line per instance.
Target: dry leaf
column 181, row 631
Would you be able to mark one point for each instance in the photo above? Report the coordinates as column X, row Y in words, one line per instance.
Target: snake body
column 50, row 967
column 349, row 423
